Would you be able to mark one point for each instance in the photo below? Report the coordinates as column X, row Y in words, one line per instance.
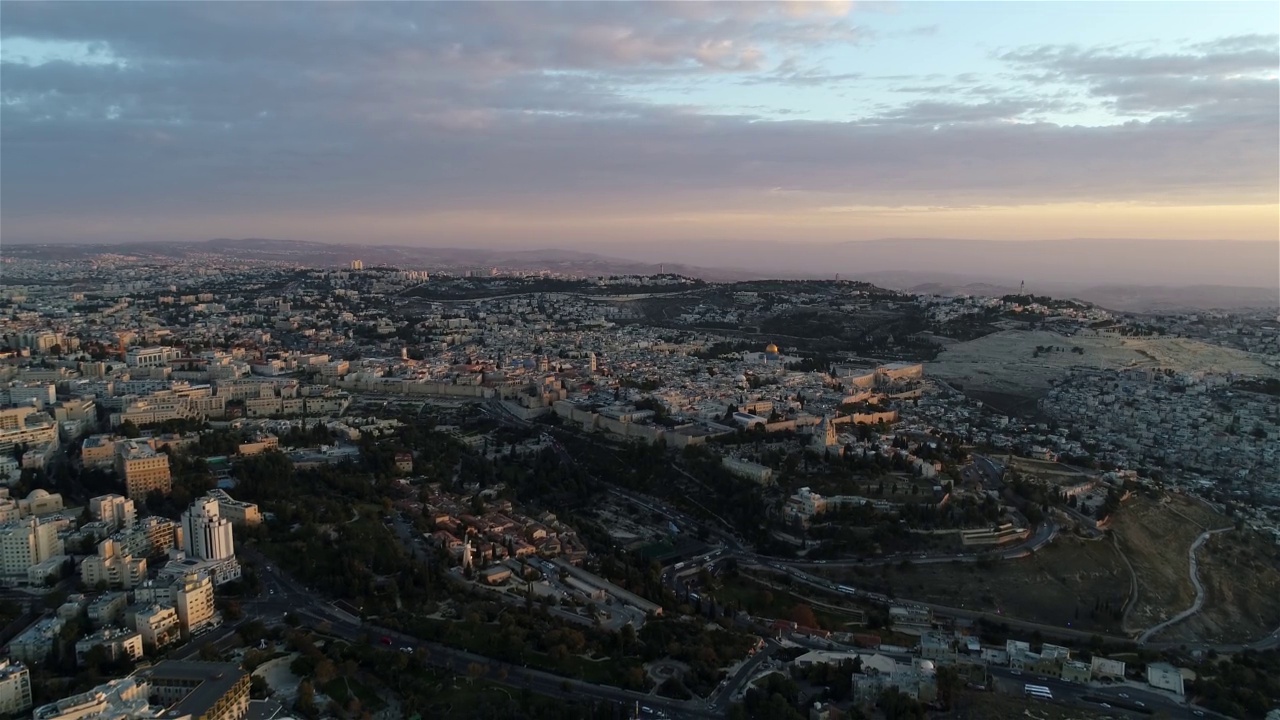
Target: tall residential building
column 15, row 687
column 27, row 542
column 357, row 264
column 116, row 511
column 113, row 567
column 193, row 599
column 207, row 534
column 143, row 469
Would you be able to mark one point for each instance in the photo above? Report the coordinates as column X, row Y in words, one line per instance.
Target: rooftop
column 216, row 680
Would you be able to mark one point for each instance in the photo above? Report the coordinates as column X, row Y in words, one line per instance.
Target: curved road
column 1195, row 580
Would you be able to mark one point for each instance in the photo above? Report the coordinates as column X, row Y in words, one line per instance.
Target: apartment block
column 99, row 450
column 117, row 643
column 35, row 643
column 26, row 543
column 162, row 534
column 113, row 568
column 15, row 687
column 193, row 599
column 158, row 624
column 144, row 470
column 116, row 511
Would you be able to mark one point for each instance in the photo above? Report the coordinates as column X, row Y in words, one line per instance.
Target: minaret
column 466, row 553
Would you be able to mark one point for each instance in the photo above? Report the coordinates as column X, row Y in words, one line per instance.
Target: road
column 1195, row 581
column 1120, row 696
column 280, row 595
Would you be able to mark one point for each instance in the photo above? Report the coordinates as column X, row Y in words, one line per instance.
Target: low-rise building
column 35, row 643
column 1076, row 671
column 1163, row 676
column 107, row 608
column 205, row 690
column 116, row 643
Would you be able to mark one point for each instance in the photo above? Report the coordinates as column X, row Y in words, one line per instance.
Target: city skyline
column 586, row 125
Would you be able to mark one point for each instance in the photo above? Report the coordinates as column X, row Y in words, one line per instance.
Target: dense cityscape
column 549, row 360
column 241, row 489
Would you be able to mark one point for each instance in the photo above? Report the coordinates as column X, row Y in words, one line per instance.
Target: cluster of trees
column 691, row 642
column 1246, row 685
column 771, row 698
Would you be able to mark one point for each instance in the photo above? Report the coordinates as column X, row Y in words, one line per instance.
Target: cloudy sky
column 539, row 125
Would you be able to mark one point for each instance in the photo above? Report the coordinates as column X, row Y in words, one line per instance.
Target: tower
column 466, row 553
column 206, row 534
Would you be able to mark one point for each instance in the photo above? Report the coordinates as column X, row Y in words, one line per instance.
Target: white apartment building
column 27, row 542
column 193, row 600
column 206, row 534
column 158, row 624
column 117, row 511
column 113, row 568
column 15, row 687
column 151, row 356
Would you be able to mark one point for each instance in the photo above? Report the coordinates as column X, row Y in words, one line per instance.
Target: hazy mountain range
column 1137, row 275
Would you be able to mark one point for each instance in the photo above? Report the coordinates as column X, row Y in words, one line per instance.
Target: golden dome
column 771, row 348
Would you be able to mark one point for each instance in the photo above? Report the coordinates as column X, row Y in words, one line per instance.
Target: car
column 1015, row 672
column 1105, row 705
column 1141, row 704
column 1124, row 695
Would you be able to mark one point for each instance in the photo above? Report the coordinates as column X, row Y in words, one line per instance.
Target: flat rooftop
column 216, row 679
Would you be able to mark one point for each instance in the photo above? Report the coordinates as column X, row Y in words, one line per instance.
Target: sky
column 599, row 124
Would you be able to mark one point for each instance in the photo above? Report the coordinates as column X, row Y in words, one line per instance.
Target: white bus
column 1038, row 691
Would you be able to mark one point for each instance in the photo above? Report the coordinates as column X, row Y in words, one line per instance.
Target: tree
column 802, row 614
column 128, row 429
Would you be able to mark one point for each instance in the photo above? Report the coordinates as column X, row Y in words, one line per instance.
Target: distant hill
column 1088, row 270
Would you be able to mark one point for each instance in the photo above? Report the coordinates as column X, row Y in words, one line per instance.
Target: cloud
column 1229, row 75
column 398, row 109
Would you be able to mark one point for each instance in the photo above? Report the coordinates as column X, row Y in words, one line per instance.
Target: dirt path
column 1195, row 581
column 1133, row 587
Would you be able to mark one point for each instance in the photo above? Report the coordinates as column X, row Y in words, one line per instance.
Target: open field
column 1240, row 572
column 1155, row 536
column 1060, row 585
column 1005, row 362
column 1046, row 470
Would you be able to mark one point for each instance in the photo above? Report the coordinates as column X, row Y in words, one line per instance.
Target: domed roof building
column 771, row 349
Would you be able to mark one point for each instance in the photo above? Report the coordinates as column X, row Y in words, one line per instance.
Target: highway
column 1135, row 699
